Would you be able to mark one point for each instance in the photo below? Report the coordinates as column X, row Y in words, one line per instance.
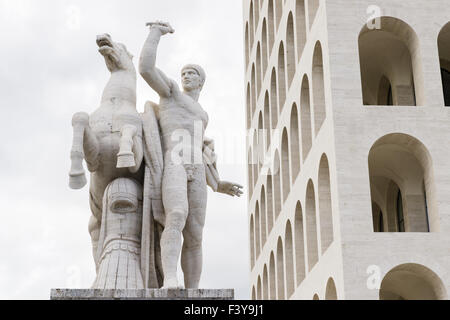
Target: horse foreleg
column 77, row 176
column 125, row 157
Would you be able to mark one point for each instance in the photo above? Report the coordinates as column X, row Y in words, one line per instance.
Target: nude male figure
column 184, row 182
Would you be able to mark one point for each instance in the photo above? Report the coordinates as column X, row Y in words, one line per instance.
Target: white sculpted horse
column 110, row 139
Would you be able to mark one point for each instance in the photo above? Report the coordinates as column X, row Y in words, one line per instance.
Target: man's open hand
column 230, row 188
column 163, row 27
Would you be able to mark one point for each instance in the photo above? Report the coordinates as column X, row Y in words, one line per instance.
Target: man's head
column 192, row 77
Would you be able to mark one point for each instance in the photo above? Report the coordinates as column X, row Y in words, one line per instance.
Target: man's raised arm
column 152, row 75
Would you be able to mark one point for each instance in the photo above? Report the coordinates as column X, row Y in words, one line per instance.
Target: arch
column 305, row 118
column 277, row 184
column 247, row 46
column 258, row 69
column 295, row 143
column 252, row 24
column 272, row 278
column 278, row 12
column 263, row 217
column 391, row 52
column 267, row 126
column 253, row 88
column 318, row 88
column 316, row 297
column 255, row 159
column 265, row 48
column 444, row 59
column 331, row 292
column 253, row 293
column 299, row 244
column 300, row 23
column 311, row 226
column 274, row 99
column 412, row 282
column 281, row 78
column 265, row 282
column 400, row 164
column 257, row 230
column 252, row 242
column 290, row 49
column 289, row 254
column 271, row 28
column 280, row 270
column 258, row 289
column 285, row 166
column 270, row 215
column 257, row 8
column 313, row 6
column 325, row 206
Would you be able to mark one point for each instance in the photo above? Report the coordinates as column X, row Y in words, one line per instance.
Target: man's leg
column 174, row 192
column 192, row 256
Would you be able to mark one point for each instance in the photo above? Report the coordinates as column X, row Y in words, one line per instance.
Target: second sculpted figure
column 185, row 178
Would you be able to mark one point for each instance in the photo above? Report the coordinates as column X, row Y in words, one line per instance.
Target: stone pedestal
column 149, row 294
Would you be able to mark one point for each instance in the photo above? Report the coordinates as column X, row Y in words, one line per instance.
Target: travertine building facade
column 349, row 168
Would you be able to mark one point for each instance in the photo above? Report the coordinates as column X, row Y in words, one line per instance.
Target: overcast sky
column 50, row 68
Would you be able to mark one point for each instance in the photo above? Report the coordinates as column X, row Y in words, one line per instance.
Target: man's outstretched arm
column 147, row 64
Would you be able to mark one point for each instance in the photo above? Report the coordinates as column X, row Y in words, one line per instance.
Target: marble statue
column 148, row 172
column 187, row 170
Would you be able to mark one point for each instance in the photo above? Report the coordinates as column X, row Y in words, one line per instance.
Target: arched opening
column 402, row 184
column 313, row 5
column 390, row 58
column 258, row 230
column 300, row 22
column 263, row 217
column 289, row 253
column 270, row 18
column 270, row 215
column 274, row 99
column 249, row 112
column 412, row 282
column 331, row 292
column 272, row 278
column 252, row 24
column 267, row 126
column 311, row 226
column 253, row 88
column 444, row 58
column 253, row 293
column 305, row 111
column 255, row 159
column 281, row 78
column 285, row 164
column 280, row 270
column 295, row 144
column 257, row 8
column 258, row 69
column 247, row 46
column 318, row 88
column 325, row 208
column 265, row 284
column 252, row 242
column 299, row 244
column 290, row 49
column 258, row 289
column 316, row 297
column 265, row 49
column 278, row 12
column 277, row 184
column 260, row 141
column 378, row 218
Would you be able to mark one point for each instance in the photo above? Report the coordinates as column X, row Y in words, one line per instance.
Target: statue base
column 146, row 294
